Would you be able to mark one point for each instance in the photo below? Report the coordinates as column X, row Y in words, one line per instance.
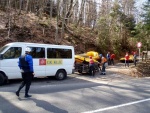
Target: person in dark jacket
column 26, row 67
column 135, row 58
column 108, row 58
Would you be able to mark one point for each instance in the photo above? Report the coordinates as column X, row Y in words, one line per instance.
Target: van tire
column 2, row 79
column 60, row 75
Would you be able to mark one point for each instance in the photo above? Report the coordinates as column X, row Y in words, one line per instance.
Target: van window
column 37, row 52
column 59, row 53
column 3, row 48
column 13, row 52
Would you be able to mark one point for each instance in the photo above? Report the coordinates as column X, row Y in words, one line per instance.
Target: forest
column 100, row 25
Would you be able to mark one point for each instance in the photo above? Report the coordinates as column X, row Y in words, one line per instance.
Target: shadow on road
column 48, row 106
column 9, row 107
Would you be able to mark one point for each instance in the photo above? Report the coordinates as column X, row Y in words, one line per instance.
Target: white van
column 48, row 60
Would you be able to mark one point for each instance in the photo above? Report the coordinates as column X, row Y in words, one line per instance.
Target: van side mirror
column 1, row 56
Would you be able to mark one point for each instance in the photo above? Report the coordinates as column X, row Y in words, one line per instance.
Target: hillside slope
column 30, row 28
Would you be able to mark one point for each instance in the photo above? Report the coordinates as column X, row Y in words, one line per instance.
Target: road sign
column 139, row 44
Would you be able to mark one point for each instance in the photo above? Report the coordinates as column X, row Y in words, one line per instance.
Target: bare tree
column 80, row 18
column 63, row 18
column 9, row 18
column 27, row 5
column 75, row 11
column 68, row 14
column 56, row 34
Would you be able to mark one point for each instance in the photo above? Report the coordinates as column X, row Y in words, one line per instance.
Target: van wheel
column 2, row 79
column 60, row 75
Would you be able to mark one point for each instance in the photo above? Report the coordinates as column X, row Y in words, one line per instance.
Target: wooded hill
column 102, row 25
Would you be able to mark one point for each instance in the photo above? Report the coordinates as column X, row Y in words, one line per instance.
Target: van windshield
column 2, row 49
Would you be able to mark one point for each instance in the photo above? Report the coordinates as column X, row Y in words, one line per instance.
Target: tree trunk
column 9, row 19
column 81, row 13
column 69, row 12
column 56, row 34
column 27, row 5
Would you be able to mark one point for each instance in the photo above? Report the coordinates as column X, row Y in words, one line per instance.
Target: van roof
column 28, row 43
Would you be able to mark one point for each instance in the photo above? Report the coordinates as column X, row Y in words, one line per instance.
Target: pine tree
column 146, row 16
column 146, row 26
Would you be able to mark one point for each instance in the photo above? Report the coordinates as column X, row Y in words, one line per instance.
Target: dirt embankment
column 141, row 70
column 30, row 28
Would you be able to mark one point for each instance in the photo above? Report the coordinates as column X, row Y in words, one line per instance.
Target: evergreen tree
column 146, row 16
column 146, row 26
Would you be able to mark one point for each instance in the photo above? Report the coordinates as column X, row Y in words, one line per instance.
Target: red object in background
column 112, row 56
column 42, row 61
column 134, row 52
column 126, row 57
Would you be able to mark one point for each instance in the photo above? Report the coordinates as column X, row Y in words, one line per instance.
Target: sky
column 140, row 2
column 139, row 5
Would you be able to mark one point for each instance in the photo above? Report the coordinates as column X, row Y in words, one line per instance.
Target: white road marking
column 117, row 106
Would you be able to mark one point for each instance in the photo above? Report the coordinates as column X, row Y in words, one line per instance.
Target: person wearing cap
column 26, row 66
column 103, row 61
column 91, row 66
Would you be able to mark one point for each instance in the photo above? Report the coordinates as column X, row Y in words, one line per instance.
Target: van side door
column 39, row 62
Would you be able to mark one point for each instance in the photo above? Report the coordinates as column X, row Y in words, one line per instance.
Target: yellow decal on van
column 54, row 62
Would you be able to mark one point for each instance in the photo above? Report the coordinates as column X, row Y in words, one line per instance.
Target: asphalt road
column 113, row 93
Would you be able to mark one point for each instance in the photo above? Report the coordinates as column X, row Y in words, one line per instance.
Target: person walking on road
column 103, row 62
column 26, row 67
column 127, row 59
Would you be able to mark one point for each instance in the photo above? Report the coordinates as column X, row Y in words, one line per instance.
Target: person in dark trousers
column 26, row 67
column 91, row 66
column 135, row 58
column 127, row 59
column 108, row 58
column 112, row 57
column 103, row 61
